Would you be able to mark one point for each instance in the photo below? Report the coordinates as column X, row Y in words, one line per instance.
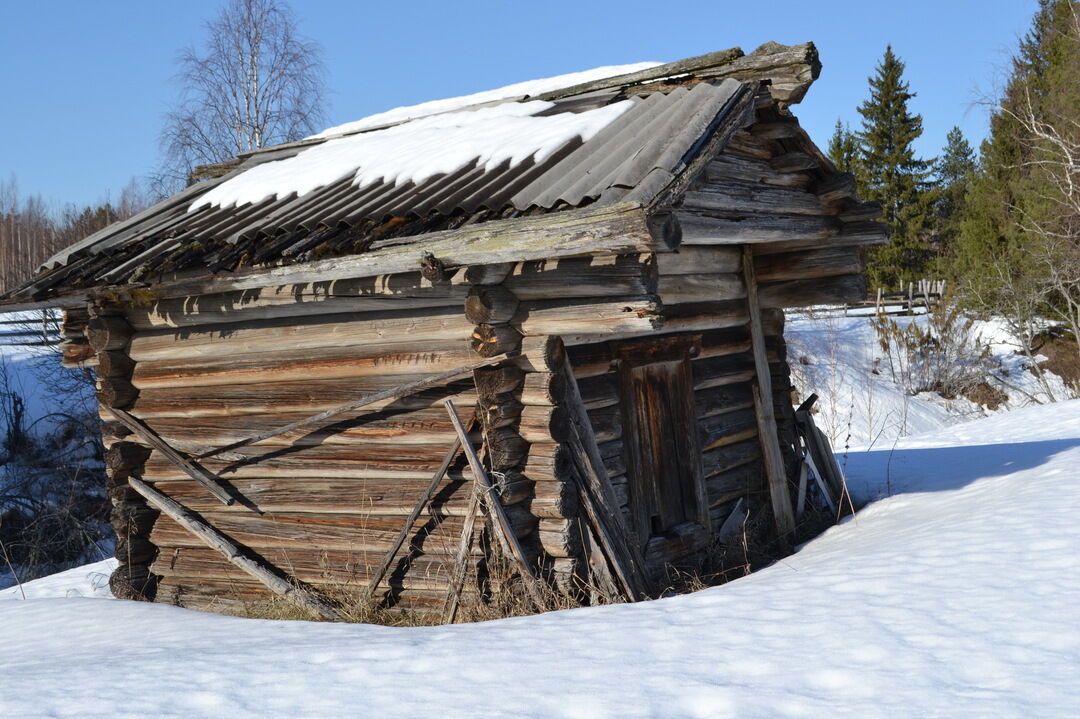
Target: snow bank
column 954, row 597
column 417, row 150
column 859, row 404
column 529, row 88
column 90, row 580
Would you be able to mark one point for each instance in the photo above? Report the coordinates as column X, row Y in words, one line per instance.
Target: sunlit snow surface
column 957, row 596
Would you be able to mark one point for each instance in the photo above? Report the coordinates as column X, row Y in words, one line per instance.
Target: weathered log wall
column 323, row 504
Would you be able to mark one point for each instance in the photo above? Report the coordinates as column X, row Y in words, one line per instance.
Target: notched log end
column 665, row 229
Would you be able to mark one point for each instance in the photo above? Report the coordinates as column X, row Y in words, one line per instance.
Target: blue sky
column 85, row 85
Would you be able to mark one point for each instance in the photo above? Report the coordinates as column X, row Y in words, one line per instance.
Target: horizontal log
column 562, row 317
column 344, row 532
column 337, row 495
column 676, row 289
column 554, row 500
column 251, row 598
column 734, row 483
column 704, row 226
column 384, row 293
column 560, row 537
column 803, row 293
column 745, row 197
column 735, row 167
column 807, row 264
column 358, row 460
column 722, row 430
column 344, row 569
column 584, row 277
column 548, row 423
column 835, row 188
column 725, row 459
column 308, row 397
column 270, row 336
column 692, row 260
column 288, row 365
column 415, row 426
column 743, row 144
column 610, row 230
column 795, row 161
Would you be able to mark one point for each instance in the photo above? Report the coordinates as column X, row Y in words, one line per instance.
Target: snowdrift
column 953, row 594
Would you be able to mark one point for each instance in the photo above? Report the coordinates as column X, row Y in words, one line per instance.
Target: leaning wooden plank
column 200, row 475
column 507, row 538
column 363, row 401
column 420, row 505
column 626, row 560
column 216, row 540
column 461, row 559
column 766, row 419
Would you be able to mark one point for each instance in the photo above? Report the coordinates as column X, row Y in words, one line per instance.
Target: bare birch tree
column 255, row 83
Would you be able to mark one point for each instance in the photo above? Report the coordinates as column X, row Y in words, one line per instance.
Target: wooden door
column 660, row 441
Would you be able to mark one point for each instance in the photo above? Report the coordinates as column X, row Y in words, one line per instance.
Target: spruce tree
column 1009, row 192
column 889, row 173
column 843, row 148
column 954, row 171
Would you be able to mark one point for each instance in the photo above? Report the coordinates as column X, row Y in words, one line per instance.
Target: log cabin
column 593, row 269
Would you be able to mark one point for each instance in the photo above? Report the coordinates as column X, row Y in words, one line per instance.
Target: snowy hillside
column 956, row 596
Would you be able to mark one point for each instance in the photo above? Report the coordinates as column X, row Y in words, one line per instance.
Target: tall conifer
column 891, row 174
column 843, row 148
column 954, row 171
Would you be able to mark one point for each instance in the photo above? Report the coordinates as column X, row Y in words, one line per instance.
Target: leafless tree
column 256, row 83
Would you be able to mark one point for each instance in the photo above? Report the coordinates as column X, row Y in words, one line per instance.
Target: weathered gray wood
column 693, row 260
column 614, row 229
column 763, row 405
column 108, row 333
column 357, row 404
column 507, row 538
column 598, row 497
column 746, row 197
column 675, row 289
column 214, row 539
column 200, row 475
column 437, row 479
column 461, row 558
column 446, row 324
column 714, row 227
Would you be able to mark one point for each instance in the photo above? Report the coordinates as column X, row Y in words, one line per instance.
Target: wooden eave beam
column 622, row 228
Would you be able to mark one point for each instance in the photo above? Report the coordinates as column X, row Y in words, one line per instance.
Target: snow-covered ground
column 955, row 594
column 860, row 405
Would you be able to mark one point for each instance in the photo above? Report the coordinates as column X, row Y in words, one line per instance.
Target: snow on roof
column 417, row 150
column 528, row 88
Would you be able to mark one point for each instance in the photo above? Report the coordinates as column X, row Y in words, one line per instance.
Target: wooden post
column 763, row 406
column 216, row 540
column 503, row 531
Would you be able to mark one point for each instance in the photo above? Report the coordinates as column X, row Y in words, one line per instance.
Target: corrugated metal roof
column 659, row 133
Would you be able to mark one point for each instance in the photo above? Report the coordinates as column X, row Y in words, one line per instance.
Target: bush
column 944, row 355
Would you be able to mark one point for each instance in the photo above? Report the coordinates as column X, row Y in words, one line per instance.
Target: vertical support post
column 763, row 405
